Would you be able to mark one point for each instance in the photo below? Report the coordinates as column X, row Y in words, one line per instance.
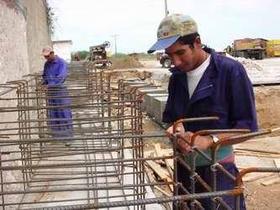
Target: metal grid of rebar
column 105, row 160
column 104, row 166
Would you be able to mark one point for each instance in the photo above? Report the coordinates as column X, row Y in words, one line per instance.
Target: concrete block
column 157, row 107
column 149, row 100
column 149, row 90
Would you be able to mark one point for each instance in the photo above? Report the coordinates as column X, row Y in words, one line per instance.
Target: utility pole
column 166, row 10
column 115, row 40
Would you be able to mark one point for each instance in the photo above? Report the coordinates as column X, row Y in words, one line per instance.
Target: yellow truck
column 258, row 48
column 273, row 48
column 250, row 48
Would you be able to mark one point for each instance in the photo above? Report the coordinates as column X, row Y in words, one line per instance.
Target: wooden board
column 256, row 176
column 251, row 161
column 266, row 144
column 271, row 180
column 162, row 173
column 276, row 178
column 160, row 153
column 277, row 162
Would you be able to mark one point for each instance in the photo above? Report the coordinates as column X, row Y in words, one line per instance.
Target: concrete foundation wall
column 23, row 33
column 13, row 43
column 37, row 32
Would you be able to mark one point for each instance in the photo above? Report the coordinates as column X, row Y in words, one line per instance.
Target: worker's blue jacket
column 59, row 112
column 55, row 72
column 224, row 91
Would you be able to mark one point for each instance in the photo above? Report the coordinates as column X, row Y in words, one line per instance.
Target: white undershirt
column 195, row 75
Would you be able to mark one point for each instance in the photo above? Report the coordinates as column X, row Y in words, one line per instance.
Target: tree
column 82, row 55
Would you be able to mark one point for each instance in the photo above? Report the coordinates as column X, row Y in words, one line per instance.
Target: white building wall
column 63, row 49
column 13, row 46
column 37, row 33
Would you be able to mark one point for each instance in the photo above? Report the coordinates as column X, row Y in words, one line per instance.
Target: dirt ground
column 257, row 195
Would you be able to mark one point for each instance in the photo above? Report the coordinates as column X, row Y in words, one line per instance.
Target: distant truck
column 249, row 48
column 98, row 55
column 273, row 48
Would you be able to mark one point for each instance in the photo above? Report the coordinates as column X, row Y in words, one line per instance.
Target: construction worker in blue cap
column 204, row 83
column 59, row 111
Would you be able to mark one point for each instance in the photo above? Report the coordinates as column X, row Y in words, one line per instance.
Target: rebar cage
column 103, row 165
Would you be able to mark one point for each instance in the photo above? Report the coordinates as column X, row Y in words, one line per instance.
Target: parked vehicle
column 248, row 48
column 98, row 55
column 273, row 48
column 164, row 60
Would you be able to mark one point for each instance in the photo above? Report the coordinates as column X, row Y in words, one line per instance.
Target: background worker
column 202, row 84
column 54, row 75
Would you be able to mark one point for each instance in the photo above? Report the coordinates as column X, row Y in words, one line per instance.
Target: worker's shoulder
column 229, row 65
column 225, row 61
column 60, row 61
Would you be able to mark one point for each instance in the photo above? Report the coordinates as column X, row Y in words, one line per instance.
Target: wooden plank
column 149, row 173
column 255, row 154
column 170, row 163
column 149, row 153
column 162, row 173
column 159, row 153
column 275, row 179
column 258, row 151
column 163, row 192
column 255, row 176
column 277, row 163
column 268, row 144
column 246, row 162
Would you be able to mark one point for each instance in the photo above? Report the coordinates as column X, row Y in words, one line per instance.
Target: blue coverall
column 59, row 114
column 224, row 91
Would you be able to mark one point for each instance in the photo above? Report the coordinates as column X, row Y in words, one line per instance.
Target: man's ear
column 197, row 42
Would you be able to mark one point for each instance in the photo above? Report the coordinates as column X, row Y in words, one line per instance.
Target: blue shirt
column 55, row 72
column 224, row 91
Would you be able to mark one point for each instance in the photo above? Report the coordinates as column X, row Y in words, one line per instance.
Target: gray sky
column 90, row 22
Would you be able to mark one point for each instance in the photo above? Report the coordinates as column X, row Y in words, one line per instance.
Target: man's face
column 49, row 57
column 184, row 57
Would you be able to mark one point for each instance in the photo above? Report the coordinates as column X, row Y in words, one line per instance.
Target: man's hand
column 179, row 130
column 203, row 142
column 182, row 145
column 200, row 142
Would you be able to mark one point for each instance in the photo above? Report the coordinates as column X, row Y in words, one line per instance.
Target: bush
column 80, row 54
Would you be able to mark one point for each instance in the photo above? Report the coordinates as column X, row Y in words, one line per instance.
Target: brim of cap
column 163, row 43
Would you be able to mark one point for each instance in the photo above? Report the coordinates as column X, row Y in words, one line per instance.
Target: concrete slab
column 149, row 101
column 157, row 107
column 149, row 90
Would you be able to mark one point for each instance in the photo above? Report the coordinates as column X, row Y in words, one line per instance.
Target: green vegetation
column 82, row 55
column 138, row 56
column 51, row 19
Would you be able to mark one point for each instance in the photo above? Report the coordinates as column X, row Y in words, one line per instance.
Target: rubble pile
column 249, row 64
